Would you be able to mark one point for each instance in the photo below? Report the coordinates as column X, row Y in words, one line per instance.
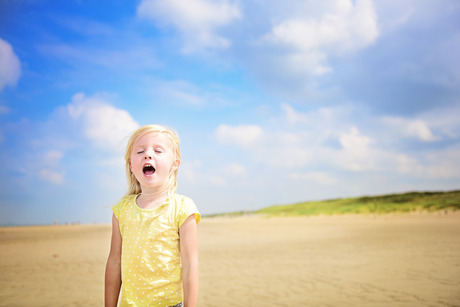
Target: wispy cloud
column 119, row 59
column 241, row 135
column 10, row 66
column 197, row 20
column 331, row 140
column 104, row 125
column 411, row 128
column 308, row 42
column 52, row 176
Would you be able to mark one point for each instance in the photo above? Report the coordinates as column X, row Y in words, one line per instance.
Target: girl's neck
column 149, row 199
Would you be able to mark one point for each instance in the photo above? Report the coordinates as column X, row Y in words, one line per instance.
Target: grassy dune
column 406, row 202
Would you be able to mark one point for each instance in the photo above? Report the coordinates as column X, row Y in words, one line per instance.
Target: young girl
column 154, row 251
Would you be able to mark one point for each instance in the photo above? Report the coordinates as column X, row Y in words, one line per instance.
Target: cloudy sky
column 274, row 101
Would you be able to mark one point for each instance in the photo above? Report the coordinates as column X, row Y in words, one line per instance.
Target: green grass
column 406, row 202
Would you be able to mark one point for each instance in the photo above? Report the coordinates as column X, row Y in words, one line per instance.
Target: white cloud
column 73, row 139
column 80, row 143
column 197, row 20
column 331, row 141
column 321, row 120
column 292, row 116
column 372, row 144
column 309, row 42
column 415, row 128
column 52, row 158
column 347, row 139
column 52, row 176
column 420, row 130
column 241, row 135
column 194, row 174
column 235, row 170
column 357, row 151
column 443, row 122
column 105, row 125
column 50, row 162
column 277, row 149
column 10, row 67
column 287, row 149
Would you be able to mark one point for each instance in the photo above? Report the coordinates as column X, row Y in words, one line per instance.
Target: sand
column 390, row 260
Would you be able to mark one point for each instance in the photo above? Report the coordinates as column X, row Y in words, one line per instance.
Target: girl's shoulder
column 127, row 199
column 184, row 207
column 123, row 203
column 179, row 198
column 181, row 201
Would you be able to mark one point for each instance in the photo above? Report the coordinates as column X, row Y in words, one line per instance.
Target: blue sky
column 274, row 102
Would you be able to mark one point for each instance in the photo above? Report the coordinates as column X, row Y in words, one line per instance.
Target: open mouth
column 148, row 169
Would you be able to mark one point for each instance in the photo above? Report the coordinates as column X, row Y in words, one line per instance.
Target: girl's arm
column 113, row 268
column 189, row 257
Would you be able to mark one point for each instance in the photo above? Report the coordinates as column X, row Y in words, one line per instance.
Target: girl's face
column 152, row 160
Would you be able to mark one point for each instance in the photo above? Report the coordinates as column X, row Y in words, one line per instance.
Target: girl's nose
column 148, row 156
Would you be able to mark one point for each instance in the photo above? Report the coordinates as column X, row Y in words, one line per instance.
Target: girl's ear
column 176, row 164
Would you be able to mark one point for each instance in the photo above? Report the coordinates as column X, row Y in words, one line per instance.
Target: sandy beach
column 388, row 260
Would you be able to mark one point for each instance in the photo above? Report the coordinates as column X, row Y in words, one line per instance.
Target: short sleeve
column 118, row 207
column 120, row 210
column 187, row 207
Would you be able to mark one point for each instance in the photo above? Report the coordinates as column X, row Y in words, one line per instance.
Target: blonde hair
column 134, row 186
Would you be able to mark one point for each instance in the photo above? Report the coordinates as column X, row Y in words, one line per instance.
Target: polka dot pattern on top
column 150, row 261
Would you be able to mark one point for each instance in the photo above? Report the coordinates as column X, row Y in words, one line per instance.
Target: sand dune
column 397, row 260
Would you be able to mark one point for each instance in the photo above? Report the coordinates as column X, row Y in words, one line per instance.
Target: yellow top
column 150, row 260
